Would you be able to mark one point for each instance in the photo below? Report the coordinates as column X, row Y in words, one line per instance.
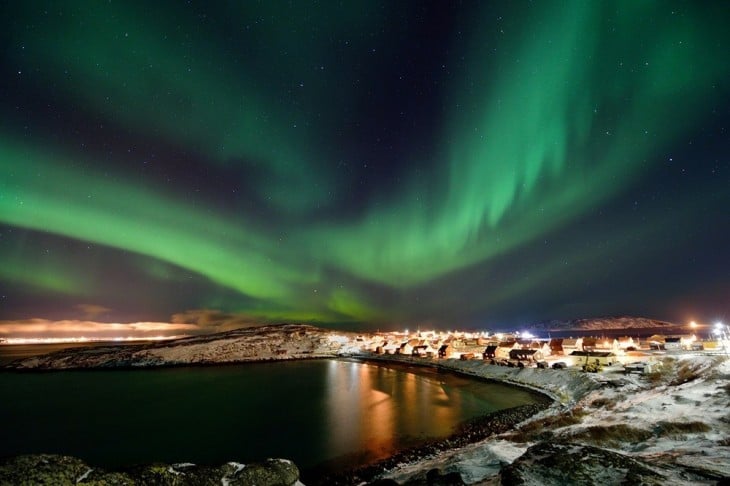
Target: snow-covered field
column 676, row 422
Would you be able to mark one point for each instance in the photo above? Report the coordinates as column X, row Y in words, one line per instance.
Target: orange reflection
column 374, row 411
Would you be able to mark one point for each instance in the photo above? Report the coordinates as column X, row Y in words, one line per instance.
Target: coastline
column 554, row 401
column 562, row 386
column 669, row 426
column 467, row 433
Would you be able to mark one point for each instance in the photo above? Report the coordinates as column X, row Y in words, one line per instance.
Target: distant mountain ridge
column 601, row 323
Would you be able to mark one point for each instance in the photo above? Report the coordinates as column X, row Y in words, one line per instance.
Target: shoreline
column 610, row 416
column 465, row 433
column 564, row 386
column 468, row 433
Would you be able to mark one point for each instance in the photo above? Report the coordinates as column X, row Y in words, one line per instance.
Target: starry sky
column 364, row 164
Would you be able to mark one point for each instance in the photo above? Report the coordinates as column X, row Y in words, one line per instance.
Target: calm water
column 336, row 412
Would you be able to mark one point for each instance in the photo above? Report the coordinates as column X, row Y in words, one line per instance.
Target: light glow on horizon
column 84, row 339
column 31, row 331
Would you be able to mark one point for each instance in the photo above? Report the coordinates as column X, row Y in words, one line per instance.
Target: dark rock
column 434, row 477
column 44, row 469
column 41, row 469
column 559, row 464
column 274, row 472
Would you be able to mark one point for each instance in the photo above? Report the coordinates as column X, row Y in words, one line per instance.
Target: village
column 522, row 350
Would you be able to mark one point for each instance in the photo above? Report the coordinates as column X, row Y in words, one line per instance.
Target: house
column 627, row 344
column 604, row 358
column 407, row 347
column 545, row 348
column 535, row 344
column 556, row 347
column 656, row 339
column 589, row 344
column 526, row 354
column 445, row 351
column 690, row 343
column 423, row 350
column 390, row 348
column 490, row 352
column 672, row 343
column 503, row 349
column 570, row 345
column 528, row 343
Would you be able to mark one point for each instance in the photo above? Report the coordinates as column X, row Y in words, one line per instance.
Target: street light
column 722, row 333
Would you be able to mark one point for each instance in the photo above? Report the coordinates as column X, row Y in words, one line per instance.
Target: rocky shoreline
column 59, row 470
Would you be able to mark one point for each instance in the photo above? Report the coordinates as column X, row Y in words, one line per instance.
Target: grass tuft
column 675, row 429
column 602, row 402
column 687, row 371
column 612, row 435
column 542, row 429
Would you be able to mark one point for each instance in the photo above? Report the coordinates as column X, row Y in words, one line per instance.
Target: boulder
column 558, row 464
column 54, row 470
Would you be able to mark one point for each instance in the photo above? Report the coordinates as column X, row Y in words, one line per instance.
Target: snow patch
column 226, row 480
column 84, row 476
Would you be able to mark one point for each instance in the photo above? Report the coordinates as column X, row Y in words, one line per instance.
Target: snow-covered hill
column 602, row 324
column 277, row 342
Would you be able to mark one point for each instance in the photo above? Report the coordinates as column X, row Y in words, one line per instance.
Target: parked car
column 543, row 365
column 559, row 365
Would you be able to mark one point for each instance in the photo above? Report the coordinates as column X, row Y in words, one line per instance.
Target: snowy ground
column 677, row 419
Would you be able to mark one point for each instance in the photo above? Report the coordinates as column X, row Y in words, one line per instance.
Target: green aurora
column 283, row 187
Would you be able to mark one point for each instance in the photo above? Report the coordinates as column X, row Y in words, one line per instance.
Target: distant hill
column 265, row 343
column 601, row 323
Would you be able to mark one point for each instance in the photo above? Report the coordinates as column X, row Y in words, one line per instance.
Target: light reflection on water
column 339, row 413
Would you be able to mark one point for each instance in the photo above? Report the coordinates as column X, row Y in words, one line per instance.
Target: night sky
column 364, row 164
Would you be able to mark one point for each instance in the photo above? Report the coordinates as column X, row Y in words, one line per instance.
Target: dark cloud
column 208, row 320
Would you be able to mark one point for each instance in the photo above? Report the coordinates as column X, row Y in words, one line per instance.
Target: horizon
column 43, row 331
column 365, row 164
